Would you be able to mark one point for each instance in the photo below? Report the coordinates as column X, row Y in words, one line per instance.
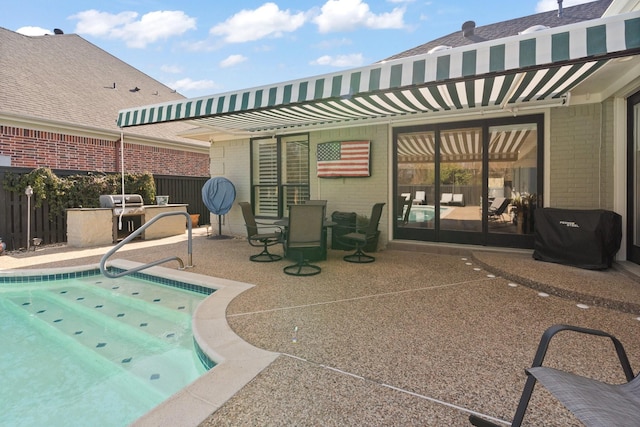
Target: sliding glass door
column 476, row 183
column 633, row 180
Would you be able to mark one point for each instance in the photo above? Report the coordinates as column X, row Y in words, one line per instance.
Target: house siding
column 581, row 157
column 355, row 194
column 28, row 148
column 232, row 160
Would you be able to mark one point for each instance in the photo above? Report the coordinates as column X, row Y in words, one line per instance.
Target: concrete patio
column 425, row 335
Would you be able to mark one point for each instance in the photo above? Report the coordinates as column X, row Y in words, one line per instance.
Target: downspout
column 122, row 177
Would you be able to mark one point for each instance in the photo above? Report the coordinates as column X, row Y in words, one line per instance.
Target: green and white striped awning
column 464, row 145
column 527, row 69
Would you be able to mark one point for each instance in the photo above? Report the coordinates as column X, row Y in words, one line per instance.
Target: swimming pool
column 425, row 213
column 81, row 349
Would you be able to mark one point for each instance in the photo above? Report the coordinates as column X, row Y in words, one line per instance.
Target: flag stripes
column 344, row 159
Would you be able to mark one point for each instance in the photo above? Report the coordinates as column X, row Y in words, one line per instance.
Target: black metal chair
column 304, row 233
column 360, row 237
column 498, row 208
column 593, row 402
column 261, row 239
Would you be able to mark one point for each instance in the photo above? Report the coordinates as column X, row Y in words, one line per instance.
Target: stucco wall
column 581, row 157
column 231, row 159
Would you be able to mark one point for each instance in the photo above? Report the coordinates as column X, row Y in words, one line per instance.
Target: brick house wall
column 28, row 148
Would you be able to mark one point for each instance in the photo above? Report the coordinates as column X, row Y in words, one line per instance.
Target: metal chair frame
column 360, row 238
column 259, row 239
column 537, row 367
column 304, row 232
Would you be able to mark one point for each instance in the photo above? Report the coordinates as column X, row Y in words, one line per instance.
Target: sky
column 205, row 47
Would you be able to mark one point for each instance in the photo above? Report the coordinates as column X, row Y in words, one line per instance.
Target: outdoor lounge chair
column 403, row 210
column 446, row 198
column 593, row 402
column 359, row 238
column 261, row 239
column 304, row 233
column 457, row 199
column 421, row 198
column 498, row 208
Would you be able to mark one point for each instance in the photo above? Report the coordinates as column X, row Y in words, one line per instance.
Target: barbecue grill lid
column 115, row 200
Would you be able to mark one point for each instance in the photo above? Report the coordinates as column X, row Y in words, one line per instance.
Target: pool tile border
column 36, row 278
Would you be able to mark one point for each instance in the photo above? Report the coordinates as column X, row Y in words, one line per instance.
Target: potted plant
column 523, row 206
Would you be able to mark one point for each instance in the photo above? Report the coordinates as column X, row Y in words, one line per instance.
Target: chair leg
column 359, row 257
column 265, row 256
column 302, row 267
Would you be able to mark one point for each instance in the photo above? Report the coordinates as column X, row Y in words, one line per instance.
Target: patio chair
column 498, row 208
column 304, row 233
column 457, row 199
column 360, row 238
column 403, row 207
column 421, row 198
column 593, row 402
column 318, row 202
column 261, row 239
column 405, row 218
column 446, row 198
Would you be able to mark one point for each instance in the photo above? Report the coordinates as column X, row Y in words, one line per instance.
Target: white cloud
column 547, row 5
column 266, row 21
column 172, row 69
column 186, row 85
column 346, row 15
column 333, row 43
column 232, row 60
column 33, row 31
column 200, row 46
column 342, row 61
column 137, row 33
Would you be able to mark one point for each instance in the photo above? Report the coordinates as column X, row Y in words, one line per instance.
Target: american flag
column 347, row 158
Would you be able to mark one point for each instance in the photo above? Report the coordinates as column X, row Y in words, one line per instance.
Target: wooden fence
column 13, row 208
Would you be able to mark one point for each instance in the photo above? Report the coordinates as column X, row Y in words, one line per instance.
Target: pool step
column 101, row 330
column 59, row 343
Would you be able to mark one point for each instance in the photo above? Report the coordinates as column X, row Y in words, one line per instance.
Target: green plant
column 362, row 221
column 77, row 191
column 522, row 201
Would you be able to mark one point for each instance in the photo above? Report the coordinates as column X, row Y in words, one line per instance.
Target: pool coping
column 237, row 362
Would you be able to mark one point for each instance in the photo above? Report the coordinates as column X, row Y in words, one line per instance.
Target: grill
column 133, row 215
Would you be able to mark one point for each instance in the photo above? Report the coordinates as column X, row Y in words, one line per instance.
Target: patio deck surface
column 423, row 336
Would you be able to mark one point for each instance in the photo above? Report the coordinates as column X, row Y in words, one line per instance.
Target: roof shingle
column 65, row 78
column 512, row 27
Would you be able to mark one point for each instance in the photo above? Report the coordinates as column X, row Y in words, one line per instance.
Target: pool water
column 425, row 213
column 93, row 350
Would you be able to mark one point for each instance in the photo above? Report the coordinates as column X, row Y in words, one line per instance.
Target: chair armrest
column 553, row 330
column 263, row 225
column 543, row 346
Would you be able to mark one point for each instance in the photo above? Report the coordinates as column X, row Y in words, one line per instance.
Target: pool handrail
column 139, row 231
